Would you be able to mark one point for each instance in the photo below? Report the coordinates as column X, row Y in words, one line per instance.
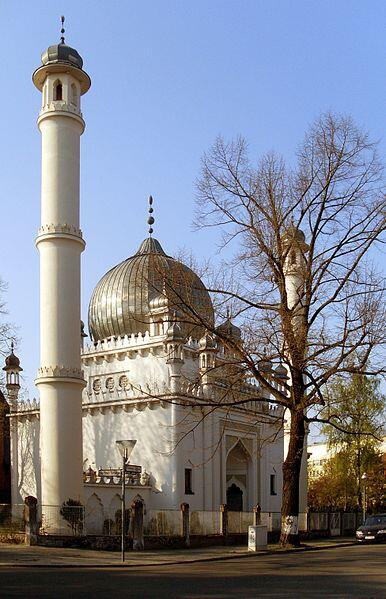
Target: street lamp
column 364, row 506
column 125, row 449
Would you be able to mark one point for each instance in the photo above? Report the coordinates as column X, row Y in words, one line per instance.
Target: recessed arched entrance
column 238, row 465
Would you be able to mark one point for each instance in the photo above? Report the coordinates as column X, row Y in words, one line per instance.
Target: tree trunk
column 291, row 477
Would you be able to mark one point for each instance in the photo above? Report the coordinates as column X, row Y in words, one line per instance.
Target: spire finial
column 62, row 30
column 12, row 346
column 150, row 220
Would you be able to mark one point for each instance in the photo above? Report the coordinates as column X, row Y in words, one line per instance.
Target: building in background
column 319, row 453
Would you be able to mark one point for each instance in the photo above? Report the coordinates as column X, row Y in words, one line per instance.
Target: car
column 374, row 529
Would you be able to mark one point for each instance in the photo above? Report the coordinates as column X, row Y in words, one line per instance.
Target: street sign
column 116, row 472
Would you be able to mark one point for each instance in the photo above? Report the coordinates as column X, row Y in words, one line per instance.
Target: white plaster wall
column 272, row 456
column 152, row 428
column 145, row 372
column 25, row 458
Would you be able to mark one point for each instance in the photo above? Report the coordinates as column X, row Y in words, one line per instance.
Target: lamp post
column 364, row 506
column 125, row 448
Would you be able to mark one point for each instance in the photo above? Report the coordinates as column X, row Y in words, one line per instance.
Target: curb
column 214, row 558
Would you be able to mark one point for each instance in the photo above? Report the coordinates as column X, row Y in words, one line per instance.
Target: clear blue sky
column 167, row 78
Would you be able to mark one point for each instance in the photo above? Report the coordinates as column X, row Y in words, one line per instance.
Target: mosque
column 151, row 372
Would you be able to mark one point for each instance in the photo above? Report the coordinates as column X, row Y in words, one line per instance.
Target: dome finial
column 62, row 30
column 150, row 220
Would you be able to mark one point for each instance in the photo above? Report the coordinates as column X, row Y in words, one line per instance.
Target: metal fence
column 334, row 523
column 62, row 520
column 79, row 520
column 318, row 521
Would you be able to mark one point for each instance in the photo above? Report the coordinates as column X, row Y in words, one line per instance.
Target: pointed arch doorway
column 234, row 498
column 238, row 466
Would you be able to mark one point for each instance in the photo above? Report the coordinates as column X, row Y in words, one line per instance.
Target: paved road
column 358, row 571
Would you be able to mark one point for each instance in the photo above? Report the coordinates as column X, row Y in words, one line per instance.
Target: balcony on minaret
column 61, row 79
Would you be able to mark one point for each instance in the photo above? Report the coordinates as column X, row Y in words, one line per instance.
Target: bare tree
column 6, row 330
column 301, row 285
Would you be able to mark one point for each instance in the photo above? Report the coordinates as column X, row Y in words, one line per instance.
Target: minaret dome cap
column 61, row 58
column 12, row 362
column 61, row 53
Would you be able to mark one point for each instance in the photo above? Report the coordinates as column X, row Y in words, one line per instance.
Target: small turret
column 83, row 334
column 207, row 358
column 265, row 368
column 208, row 352
column 281, row 373
column 228, row 329
column 12, row 369
column 295, row 248
column 174, row 342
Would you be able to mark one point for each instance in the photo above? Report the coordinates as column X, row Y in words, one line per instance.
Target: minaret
column 294, row 270
column 9, row 427
column 62, row 82
column 12, row 369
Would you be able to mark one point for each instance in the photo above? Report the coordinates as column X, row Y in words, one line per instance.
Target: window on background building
column 272, row 484
column 188, row 481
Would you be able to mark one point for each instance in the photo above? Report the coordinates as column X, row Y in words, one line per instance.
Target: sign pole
column 123, row 519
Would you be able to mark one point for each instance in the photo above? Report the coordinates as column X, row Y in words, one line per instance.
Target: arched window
column 58, row 91
column 74, row 95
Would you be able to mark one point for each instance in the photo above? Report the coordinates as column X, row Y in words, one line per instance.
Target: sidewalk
column 22, row 556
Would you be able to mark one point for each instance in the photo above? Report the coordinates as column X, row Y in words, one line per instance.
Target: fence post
column 224, row 520
column 256, row 515
column 137, row 511
column 185, row 523
column 31, row 520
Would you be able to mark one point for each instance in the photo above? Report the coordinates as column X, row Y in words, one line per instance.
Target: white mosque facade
column 158, row 387
column 150, row 372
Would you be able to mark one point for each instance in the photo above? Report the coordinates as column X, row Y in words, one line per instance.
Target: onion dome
column 295, row 236
column 63, row 54
column 58, row 56
column 281, row 372
column 265, row 365
column 122, row 301
column 174, row 333
column 160, row 302
column 228, row 329
column 207, row 342
column 12, row 362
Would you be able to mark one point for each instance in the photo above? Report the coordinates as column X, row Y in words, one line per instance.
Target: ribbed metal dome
column 121, row 302
column 63, row 54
